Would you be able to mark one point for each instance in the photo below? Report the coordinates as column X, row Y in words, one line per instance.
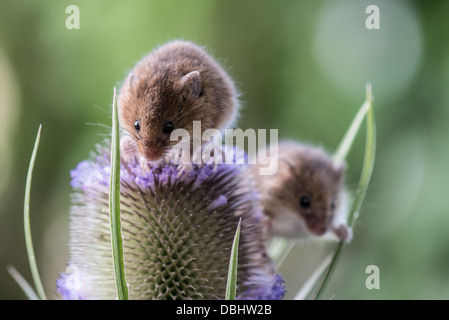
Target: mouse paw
column 343, row 232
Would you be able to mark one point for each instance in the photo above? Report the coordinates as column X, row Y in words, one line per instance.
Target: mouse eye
column 333, row 204
column 305, row 202
column 168, row 127
column 137, row 125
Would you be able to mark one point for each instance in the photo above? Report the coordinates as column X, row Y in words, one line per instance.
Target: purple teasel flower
column 177, row 233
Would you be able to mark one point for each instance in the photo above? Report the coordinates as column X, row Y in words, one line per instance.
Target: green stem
column 114, row 208
column 346, row 143
column 278, row 250
column 329, row 270
column 27, row 224
column 27, row 289
column 365, row 177
column 231, row 285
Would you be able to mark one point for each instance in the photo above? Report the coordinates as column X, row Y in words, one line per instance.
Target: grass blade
column 231, row 285
column 365, row 176
column 311, row 281
column 23, row 284
column 348, row 139
column 114, row 208
column 27, row 224
column 329, row 270
column 279, row 247
column 278, row 250
column 368, row 162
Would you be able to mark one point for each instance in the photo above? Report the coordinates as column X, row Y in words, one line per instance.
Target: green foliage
column 283, row 57
column 279, row 248
column 27, row 224
column 231, row 286
column 28, row 238
column 365, row 177
column 114, row 207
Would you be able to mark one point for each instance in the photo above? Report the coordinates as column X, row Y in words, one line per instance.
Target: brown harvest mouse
column 305, row 198
column 174, row 85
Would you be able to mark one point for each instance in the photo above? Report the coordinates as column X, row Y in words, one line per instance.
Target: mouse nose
column 152, row 154
column 317, row 226
column 320, row 230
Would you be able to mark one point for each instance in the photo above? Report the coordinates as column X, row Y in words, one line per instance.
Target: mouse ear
column 191, row 83
column 132, row 80
column 285, row 167
column 340, row 168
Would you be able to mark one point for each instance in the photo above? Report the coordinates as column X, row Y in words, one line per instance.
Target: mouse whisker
column 104, row 141
column 189, row 111
column 96, row 106
column 99, row 124
column 106, row 135
column 125, row 132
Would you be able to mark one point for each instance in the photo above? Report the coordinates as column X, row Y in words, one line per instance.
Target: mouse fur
column 177, row 83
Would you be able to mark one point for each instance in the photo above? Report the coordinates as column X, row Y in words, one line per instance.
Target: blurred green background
column 301, row 67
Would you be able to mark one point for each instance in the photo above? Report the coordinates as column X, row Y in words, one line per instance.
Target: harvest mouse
column 174, row 85
column 305, row 197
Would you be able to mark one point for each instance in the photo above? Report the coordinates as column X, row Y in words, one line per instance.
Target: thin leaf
column 368, row 165
column 27, row 224
column 114, row 208
column 368, row 162
column 278, row 250
column 330, row 269
column 231, row 286
column 345, row 145
column 311, row 281
column 23, row 284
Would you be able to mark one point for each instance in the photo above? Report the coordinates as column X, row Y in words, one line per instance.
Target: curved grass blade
column 278, row 250
column 346, row 143
column 368, row 162
column 23, row 284
column 114, row 208
column 365, row 176
column 27, row 225
column 306, row 289
column 231, row 286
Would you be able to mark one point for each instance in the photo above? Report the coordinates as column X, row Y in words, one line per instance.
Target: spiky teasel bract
column 177, row 233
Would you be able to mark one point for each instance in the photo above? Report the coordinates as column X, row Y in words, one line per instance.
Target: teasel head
column 177, row 230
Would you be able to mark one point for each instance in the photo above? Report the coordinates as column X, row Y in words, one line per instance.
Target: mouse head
column 313, row 187
column 152, row 107
column 170, row 88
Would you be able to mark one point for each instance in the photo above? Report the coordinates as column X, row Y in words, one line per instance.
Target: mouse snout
column 316, row 225
column 152, row 153
column 319, row 230
column 150, row 157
